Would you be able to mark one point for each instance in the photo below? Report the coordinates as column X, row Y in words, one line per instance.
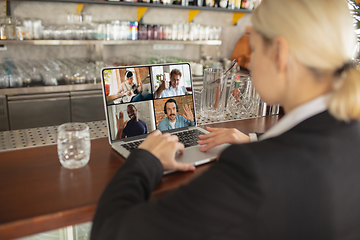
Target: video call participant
column 174, row 89
column 130, row 89
column 125, row 88
column 173, row 120
column 132, row 127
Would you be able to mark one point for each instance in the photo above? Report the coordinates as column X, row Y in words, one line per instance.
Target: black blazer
column 303, row 184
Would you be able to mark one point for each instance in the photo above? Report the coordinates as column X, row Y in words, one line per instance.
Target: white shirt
column 172, row 124
column 124, row 87
column 171, row 92
column 296, row 116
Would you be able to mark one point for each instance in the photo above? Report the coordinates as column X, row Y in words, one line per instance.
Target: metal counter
column 37, row 137
column 40, row 106
column 42, row 136
column 49, row 89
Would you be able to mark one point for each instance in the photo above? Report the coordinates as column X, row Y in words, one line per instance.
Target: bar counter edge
column 38, row 195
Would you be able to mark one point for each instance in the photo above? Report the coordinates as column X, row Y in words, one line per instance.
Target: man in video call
column 130, row 89
column 173, row 120
column 132, row 127
column 126, row 87
column 174, row 89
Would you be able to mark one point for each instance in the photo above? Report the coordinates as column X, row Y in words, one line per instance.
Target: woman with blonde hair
column 299, row 180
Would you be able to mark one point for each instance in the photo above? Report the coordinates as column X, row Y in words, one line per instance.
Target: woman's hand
column 218, row 136
column 164, row 147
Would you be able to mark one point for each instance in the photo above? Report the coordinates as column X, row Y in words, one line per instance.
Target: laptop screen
column 140, row 99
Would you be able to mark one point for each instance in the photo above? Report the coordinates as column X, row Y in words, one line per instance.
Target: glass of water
column 73, row 145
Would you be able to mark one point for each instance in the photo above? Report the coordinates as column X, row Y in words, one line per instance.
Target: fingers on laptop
column 219, row 136
column 164, row 147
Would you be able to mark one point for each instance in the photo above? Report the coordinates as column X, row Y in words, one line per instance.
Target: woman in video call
column 300, row 180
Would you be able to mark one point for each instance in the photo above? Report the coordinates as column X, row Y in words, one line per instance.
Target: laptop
column 140, row 99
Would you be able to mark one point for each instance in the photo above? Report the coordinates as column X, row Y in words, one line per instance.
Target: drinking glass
column 213, row 94
column 37, row 29
column 223, row 3
column 180, row 31
column 142, row 32
column 4, row 80
column 150, row 32
column 209, row 3
column 167, row 2
column 186, row 28
column 174, row 35
column 9, row 28
column 168, row 32
column 231, row 4
column 184, row 2
column 256, row 104
column 240, row 99
column 73, row 145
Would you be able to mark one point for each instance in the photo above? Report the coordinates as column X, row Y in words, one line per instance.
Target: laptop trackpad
column 194, row 156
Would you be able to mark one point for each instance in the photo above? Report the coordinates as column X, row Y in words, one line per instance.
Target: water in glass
column 73, row 144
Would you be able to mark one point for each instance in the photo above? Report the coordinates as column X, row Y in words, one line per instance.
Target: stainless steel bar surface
column 36, row 137
column 4, row 121
column 49, row 89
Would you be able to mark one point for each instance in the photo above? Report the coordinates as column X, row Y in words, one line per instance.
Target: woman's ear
column 281, row 54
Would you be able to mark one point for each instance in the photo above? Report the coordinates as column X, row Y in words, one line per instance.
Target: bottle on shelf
column 184, row 3
column 223, row 3
column 244, row 4
column 200, row 3
column 209, row 3
column 167, row 2
column 231, row 4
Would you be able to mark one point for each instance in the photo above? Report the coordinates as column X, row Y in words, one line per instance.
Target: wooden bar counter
column 37, row 194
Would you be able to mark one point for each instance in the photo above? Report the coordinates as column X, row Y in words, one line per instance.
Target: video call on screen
column 136, row 97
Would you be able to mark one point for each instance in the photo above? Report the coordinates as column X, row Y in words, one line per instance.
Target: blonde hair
column 321, row 36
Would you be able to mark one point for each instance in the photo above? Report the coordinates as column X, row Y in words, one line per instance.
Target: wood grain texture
column 37, row 194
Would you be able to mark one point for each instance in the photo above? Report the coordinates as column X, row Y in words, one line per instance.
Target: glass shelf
column 105, row 42
column 141, row 4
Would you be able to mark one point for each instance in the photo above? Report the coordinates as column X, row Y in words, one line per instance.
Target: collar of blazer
column 298, row 115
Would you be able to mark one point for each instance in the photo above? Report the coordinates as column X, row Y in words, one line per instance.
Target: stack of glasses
column 220, row 101
column 243, row 101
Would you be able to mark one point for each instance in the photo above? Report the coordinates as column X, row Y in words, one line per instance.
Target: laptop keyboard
column 188, row 138
column 132, row 145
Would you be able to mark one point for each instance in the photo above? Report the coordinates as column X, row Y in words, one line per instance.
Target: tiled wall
column 56, row 13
